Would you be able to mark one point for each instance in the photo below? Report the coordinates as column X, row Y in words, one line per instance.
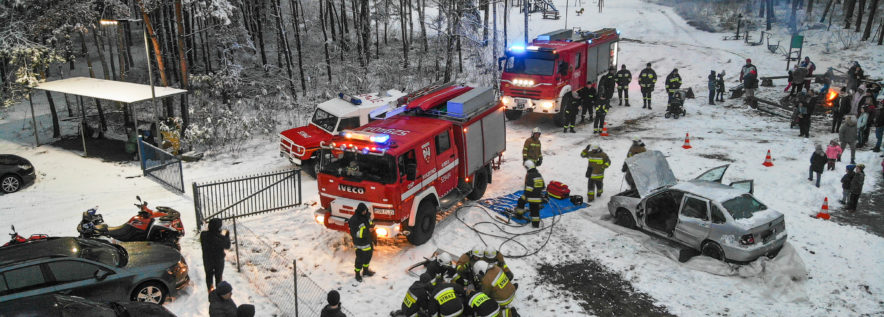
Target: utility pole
column 525, row 2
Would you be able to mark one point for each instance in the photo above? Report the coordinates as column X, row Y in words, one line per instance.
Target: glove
column 539, row 160
column 509, row 275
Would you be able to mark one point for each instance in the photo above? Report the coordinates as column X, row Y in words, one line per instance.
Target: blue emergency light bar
column 353, row 100
column 543, row 37
column 366, row 136
column 517, row 48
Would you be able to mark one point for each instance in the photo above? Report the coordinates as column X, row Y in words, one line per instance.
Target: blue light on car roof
column 380, row 138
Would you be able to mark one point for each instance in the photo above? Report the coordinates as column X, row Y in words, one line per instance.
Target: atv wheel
column 424, row 224
column 513, row 115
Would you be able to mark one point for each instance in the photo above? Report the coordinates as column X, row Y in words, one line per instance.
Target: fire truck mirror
column 411, row 171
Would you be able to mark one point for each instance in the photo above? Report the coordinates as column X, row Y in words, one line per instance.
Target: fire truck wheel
column 480, row 183
column 310, row 167
column 513, row 115
column 424, row 224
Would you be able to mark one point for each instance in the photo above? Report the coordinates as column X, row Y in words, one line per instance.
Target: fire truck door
column 578, row 77
column 446, row 163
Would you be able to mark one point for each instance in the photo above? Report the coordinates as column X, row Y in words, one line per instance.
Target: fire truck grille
column 525, row 93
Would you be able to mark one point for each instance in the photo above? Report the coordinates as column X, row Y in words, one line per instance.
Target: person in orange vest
column 492, row 280
column 595, row 171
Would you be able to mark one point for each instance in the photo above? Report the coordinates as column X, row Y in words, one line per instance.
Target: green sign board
column 797, row 41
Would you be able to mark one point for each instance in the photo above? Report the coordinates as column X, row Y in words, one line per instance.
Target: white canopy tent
column 111, row 90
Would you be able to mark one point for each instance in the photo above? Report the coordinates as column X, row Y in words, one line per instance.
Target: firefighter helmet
column 477, row 251
column 444, row 259
column 490, row 252
column 479, row 268
column 529, row 164
column 536, row 130
column 636, row 139
column 595, row 147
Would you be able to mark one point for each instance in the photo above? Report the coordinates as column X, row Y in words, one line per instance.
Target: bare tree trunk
column 873, row 8
column 793, row 20
column 404, row 28
column 110, row 53
column 770, row 13
column 826, row 11
column 67, row 102
column 386, row 18
column 450, row 42
column 762, row 9
column 457, row 6
column 124, row 66
column 506, row 16
column 158, row 55
column 366, row 29
column 98, row 42
column 525, row 4
column 485, row 5
column 421, row 16
column 56, row 128
column 296, row 23
column 410, row 22
column 325, row 42
column 809, row 12
column 284, row 43
column 848, row 12
column 881, row 34
column 259, row 19
column 182, row 58
column 859, row 15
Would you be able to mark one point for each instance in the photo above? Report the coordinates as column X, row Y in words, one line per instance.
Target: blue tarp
column 505, row 204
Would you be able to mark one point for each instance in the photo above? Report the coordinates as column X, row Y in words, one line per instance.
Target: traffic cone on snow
column 767, row 161
column 824, row 211
column 687, row 141
column 604, row 129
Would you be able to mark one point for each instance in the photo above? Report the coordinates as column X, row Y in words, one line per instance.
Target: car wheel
column 480, row 183
column 310, row 167
column 624, row 218
column 150, row 292
column 513, row 115
column 424, row 224
column 10, row 183
column 712, row 250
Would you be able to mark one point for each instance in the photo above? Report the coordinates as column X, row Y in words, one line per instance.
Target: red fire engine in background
column 539, row 77
column 433, row 150
column 299, row 145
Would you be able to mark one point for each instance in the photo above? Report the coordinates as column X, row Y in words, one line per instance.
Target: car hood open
column 650, row 171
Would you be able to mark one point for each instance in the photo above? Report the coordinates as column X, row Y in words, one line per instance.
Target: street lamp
column 153, row 94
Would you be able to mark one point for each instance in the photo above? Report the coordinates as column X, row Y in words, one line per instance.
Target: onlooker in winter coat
column 847, row 136
column 861, row 122
column 719, row 87
column 749, row 78
column 798, row 75
column 333, row 309
column 810, row 66
column 841, row 108
column 845, row 183
column 817, row 163
column 711, row 84
column 805, row 110
column 213, row 243
column 220, row 302
column 245, row 310
column 856, row 186
column 833, row 151
column 879, row 129
column 854, row 75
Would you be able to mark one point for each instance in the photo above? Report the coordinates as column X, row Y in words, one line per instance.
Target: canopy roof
column 107, row 89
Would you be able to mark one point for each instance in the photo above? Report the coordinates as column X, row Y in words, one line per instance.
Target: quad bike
column 163, row 225
column 15, row 238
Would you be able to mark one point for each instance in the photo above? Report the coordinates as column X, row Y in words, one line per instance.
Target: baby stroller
column 676, row 105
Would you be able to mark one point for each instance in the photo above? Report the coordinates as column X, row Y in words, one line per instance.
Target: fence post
column 181, row 176
column 140, row 154
column 197, row 209
column 298, row 172
column 295, row 274
column 236, row 235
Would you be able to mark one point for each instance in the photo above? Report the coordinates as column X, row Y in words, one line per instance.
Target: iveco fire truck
column 540, row 76
column 299, row 145
column 435, row 148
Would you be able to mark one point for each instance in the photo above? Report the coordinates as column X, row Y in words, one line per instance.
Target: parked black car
column 15, row 173
column 94, row 269
column 56, row 305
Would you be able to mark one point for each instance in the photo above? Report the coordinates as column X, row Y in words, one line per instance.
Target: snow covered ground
column 843, row 264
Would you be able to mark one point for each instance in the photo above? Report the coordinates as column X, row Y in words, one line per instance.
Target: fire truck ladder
column 404, row 100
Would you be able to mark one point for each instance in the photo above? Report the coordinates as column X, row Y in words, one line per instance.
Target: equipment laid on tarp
column 557, row 190
column 504, row 205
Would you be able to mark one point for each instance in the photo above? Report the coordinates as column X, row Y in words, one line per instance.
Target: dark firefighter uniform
column 362, row 231
column 601, row 110
column 587, row 101
column 595, row 171
column 417, row 298
column 480, row 305
column 647, row 79
column 498, row 286
column 571, row 110
column 637, row 147
column 531, row 150
column 673, row 82
column 606, row 84
column 446, row 300
column 533, row 195
column 623, row 79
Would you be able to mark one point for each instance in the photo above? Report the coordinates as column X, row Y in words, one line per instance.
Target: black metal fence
column 247, row 195
column 162, row 166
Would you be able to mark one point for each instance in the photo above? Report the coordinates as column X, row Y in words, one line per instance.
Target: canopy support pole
column 34, row 121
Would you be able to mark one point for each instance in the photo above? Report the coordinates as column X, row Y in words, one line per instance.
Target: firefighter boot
column 519, row 213
column 582, row 118
column 566, row 129
column 619, row 102
column 358, row 276
column 572, row 130
column 368, row 273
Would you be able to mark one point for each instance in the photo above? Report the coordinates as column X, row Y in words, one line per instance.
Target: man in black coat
column 213, row 243
column 220, row 302
column 333, row 309
column 571, row 110
column 647, row 79
column 587, row 101
column 362, row 231
column 673, row 83
column 606, row 85
column 840, row 109
column 856, row 186
column 623, row 79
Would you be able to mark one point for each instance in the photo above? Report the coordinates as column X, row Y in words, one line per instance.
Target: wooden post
column 34, row 122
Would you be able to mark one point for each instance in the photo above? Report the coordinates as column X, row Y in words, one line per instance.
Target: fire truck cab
column 435, row 151
column 299, row 145
column 539, row 77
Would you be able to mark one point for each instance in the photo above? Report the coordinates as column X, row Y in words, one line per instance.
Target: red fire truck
column 432, row 151
column 539, row 77
column 299, row 145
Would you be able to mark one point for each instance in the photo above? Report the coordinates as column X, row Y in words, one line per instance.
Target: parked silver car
column 721, row 221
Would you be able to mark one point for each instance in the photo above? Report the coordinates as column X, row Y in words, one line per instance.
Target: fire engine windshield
column 357, row 166
column 530, row 66
column 325, row 120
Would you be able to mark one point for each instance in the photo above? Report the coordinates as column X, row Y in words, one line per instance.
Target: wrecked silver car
column 725, row 222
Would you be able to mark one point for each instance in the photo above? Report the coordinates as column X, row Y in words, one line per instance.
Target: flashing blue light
column 543, row 37
column 353, row 100
column 618, row 32
column 380, row 138
column 589, row 42
column 517, row 48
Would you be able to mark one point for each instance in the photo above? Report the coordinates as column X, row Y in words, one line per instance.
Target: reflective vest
column 534, row 186
column 647, row 78
column 598, row 162
column 497, row 285
column 531, row 150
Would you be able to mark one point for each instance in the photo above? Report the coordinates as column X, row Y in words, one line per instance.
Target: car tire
column 513, row 115
column 424, row 224
column 712, row 250
column 310, row 167
column 480, row 183
column 625, row 219
column 151, row 292
column 10, row 183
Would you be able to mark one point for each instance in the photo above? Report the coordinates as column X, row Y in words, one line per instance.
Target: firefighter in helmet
column 534, row 194
column 673, row 83
column 601, row 110
column 417, row 298
column 465, row 264
column 362, row 231
column 493, row 257
column 595, row 171
column 480, row 304
column 637, row 147
column 493, row 281
column 571, row 110
column 531, row 150
column 623, row 79
column 647, row 79
column 446, row 299
column 440, row 268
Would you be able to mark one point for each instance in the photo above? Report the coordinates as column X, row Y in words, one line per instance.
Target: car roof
column 343, row 108
column 50, row 247
column 711, row 190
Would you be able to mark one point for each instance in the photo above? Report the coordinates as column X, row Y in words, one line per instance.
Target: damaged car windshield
column 743, row 207
column 359, row 167
column 325, row 120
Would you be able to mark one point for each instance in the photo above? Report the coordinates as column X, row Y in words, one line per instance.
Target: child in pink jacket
column 832, row 153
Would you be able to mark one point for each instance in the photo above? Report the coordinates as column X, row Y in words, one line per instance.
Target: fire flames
column 830, row 97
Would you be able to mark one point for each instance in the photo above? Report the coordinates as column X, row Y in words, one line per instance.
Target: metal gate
column 247, row 195
column 162, row 166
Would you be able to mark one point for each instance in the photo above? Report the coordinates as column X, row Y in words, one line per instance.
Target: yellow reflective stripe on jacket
column 366, row 247
column 480, row 298
column 529, row 188
column 361, row 230
column 538, row 182
column 501, row 280
column 597, row 176
column 409, row 299
column 446, row 295
column 534, row 200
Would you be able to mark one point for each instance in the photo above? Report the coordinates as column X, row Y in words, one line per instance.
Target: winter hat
column 245, row 310
column 223, row 288
column 748, row 60
column 819, row 148
column 334, row 298
column 214, row 225
column 851, row 167
column 648, row 64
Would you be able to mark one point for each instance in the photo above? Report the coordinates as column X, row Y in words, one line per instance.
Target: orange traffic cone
column 604, row 129
column 767, row 161
column 687, row 141
column 824, row 211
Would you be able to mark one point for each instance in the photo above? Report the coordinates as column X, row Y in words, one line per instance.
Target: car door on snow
column 714, row 175
column 693, row 221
